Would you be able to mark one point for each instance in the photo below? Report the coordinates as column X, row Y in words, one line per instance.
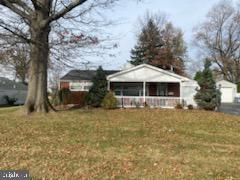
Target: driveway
column 230, row 108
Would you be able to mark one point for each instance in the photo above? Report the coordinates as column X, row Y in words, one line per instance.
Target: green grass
column 122, row 144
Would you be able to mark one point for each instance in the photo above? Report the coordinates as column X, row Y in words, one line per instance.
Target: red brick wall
column 64, row 85
column 74, row 97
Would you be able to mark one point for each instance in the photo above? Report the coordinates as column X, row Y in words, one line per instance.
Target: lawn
column 122, row 144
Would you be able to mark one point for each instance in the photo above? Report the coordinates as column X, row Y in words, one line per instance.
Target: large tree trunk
column 37, row 100
column 37, row 87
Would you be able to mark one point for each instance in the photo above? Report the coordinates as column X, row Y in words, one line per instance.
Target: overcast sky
column 185, row 14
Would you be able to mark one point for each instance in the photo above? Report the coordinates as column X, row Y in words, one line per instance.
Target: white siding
column 228, row 90
column 144, row 74
column 188, row 91
column 147, row 73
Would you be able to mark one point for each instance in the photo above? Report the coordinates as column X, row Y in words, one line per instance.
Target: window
column 163, row 89
column 80, row 86
column 128, row 89
column 118, row 92
column 131, row 91
column 76, row 86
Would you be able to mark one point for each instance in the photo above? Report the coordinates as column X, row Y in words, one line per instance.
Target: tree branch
column 65, row 10
column 15, row 32
column 10, row 5
column 35, row 4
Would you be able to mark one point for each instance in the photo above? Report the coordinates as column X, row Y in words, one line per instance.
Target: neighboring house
column 80, row 80
column 137, row 85
column 79, row 83
column 228, row 91
column 12, row 89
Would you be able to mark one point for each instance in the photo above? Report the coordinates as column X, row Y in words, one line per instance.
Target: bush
column 146, row 105
column 62, row 95
column 109, row 101
column 10, row 101
column 208, row 97
column 190, row 107
column 55, row 101
column 179, row 106
column 98, row 90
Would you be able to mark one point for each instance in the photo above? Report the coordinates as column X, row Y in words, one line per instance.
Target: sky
column 185, row 14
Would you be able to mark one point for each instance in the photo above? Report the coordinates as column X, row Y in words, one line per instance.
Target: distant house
column 80, row 80
column 12, row 89
column 228, row 90
column 79, row 83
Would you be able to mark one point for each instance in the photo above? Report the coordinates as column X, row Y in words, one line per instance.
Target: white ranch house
column 148, row 85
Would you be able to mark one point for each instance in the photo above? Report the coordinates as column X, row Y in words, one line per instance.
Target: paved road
column 230, row 108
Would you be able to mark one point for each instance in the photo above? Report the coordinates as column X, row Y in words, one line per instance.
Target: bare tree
column 16, row 59
column 33, row 21
column 219, row 39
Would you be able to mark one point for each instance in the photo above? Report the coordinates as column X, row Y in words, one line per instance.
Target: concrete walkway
column 230, row 108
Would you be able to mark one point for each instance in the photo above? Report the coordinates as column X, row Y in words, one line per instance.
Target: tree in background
column 148, row 45
column 160, row 44
column 16, row 59
column 198, row 76
column 218, row 39
column 50, row 27
column 208, row 97
column 98, row 90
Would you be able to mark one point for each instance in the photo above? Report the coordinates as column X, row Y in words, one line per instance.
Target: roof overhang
column 146, row 73
column 225, row 83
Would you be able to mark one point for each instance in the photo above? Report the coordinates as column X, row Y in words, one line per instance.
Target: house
column 79, row 83
column 146, row 84
column 137, row 86
column 12, row 89
column 228, row 91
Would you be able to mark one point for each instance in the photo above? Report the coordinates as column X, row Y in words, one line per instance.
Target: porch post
column 180, row 84
column 144, row 92
column 108, row 86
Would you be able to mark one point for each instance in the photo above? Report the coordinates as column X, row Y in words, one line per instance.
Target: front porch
column 140, row 94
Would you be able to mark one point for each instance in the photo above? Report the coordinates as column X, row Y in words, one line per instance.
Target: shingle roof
column 6, row 84
column 84, row 74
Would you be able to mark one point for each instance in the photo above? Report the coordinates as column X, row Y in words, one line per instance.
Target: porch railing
column 135, row 101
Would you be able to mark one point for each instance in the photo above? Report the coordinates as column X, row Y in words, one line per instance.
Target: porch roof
column 146, row 73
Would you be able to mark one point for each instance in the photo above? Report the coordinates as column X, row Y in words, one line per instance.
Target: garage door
column 227, row 95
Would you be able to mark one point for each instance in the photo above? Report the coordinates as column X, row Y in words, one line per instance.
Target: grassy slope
column 123, row 143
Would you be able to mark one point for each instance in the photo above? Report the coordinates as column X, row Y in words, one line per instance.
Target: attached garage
column 228, row 90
